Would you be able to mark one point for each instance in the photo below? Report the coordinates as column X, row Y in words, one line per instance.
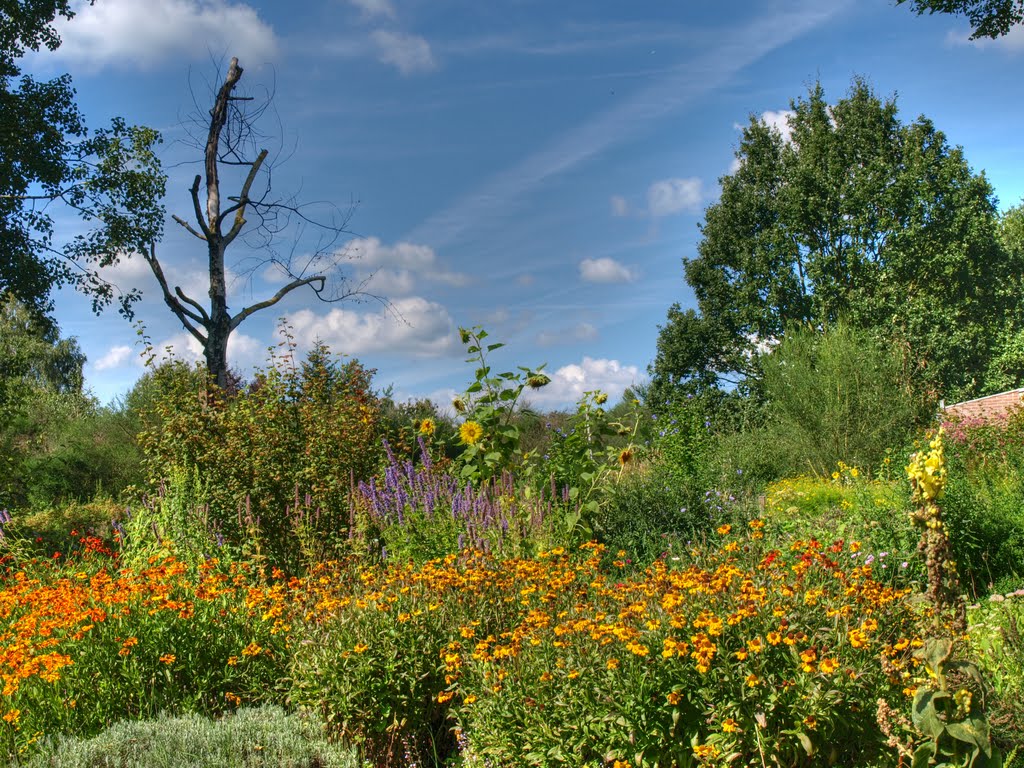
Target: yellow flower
column 729, row 725
column 724, row 530
column 361, row 648
column 444, row 696
column 828, row 666
column 13, row 716
column 252, row 649
column 427, row 427
column 674, row 698
column 612, row 664
column 470, row 433
column 233, row 698
column 168, row 658
column 626, row 456
column 811, row 722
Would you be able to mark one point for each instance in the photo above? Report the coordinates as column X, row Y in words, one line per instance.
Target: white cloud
column 578, row 332
column 408, row 53
column 1012, row 42
column 525, row 279
column 671, row 196
column 397, row 270
column 145, row 33
column 372, row 8
column 115, row 357
column 569, row 382
column 606, row 270
column 779, row 120
column 243, row 351
column 619, row 206
column 421, row 328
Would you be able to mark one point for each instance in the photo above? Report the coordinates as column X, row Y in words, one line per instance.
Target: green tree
column 112, row 177
column 988, row 18
column 856, row 216
column 1006, row 368
column 34, row 361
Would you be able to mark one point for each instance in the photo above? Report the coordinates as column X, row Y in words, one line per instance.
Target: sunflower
column 626, row 456
column 427, row 427
column 470, row 433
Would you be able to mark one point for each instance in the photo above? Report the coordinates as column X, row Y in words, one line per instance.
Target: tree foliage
column 855, row 215
column 111, row 177
column 988, row 18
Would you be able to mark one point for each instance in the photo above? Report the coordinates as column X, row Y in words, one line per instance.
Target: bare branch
column 181, row 312
column 205, row 319
column 218, row 117
column 188, row 227
column 243, row 199
column 194, row 189
column 237, row 319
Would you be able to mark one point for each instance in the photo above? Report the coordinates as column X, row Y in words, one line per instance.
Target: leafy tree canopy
column 856, row 215
column 46, row 154
column 988, row 18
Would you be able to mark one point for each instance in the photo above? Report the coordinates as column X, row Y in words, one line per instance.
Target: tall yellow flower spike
column 927, row 472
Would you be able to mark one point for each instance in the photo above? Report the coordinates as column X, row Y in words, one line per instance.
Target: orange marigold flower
column 674, row 698
column 168, row 658
column 444, row 696
column 13, row 716
column 252, row 649
column 233, row 698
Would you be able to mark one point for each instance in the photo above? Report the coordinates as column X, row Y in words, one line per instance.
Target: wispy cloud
column 1012, row 42
column 744, row 46
column 408, row 53
column 374, row 8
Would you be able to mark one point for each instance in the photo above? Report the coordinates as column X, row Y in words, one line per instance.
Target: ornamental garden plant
column 609, row 596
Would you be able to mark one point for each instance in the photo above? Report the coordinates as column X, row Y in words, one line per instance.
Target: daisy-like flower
column 470, row 432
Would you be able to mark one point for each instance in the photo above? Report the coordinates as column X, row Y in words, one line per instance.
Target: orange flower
column 168, row 658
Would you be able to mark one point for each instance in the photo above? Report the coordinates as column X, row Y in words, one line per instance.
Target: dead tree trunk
column 213, row 327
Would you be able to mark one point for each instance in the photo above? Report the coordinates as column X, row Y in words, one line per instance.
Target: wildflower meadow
column 490, row 586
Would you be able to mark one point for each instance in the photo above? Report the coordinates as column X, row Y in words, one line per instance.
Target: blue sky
column 537, row 168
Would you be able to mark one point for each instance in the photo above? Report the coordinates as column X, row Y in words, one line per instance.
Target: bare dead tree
column 232, row 141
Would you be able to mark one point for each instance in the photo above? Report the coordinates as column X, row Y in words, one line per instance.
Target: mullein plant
column 949, row 718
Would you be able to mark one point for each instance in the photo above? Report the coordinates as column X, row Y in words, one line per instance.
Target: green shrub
column 276, row 460
column 249, row 738
column 647, row 511
column 984, row 502
column 837, row 396
column 997, row 639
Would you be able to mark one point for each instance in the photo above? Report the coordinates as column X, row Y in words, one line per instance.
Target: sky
column 539, row 169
